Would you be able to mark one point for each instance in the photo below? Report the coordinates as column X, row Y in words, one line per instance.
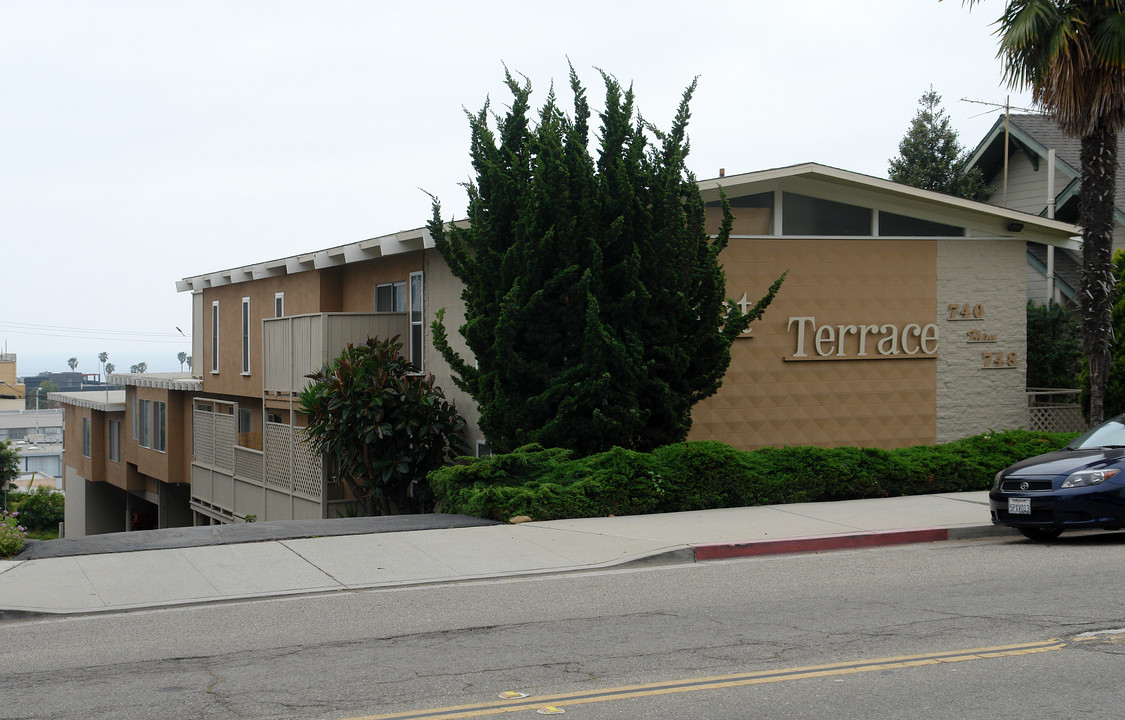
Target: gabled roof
column 882, row 192
column 1036, row 135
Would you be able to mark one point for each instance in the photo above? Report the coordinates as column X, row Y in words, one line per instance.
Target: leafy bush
column 41, row 508
column 547, row 484
column 12, row 534
column 382, row 425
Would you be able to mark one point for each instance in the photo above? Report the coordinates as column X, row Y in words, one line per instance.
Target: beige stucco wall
column 971, row 398
column 770, row 397
column 443, row 290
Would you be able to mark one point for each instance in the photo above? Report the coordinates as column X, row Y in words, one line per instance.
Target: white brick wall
column 970, row 398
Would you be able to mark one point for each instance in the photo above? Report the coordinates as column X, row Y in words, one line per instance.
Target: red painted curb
column 818, row 543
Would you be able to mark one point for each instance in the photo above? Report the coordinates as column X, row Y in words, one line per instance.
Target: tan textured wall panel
column 875, row 402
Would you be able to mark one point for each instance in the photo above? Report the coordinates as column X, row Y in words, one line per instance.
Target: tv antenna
column 1007, row 108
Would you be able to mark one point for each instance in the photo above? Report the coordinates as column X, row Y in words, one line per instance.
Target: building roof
column 1056, row 232
column 370, row 249
column 1047, row 231
column 1037, row 134
column 164, row 381
column 46, row 417
column 103, row 400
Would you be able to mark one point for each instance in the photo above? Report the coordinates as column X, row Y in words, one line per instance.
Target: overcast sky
column 143, row 142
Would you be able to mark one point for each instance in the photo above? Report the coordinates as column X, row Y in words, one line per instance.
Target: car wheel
column 1040, row 534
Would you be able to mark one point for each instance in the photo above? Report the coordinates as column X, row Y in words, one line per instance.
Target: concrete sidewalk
column 213, row 570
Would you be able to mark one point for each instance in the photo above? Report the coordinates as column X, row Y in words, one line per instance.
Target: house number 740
column 968, row 311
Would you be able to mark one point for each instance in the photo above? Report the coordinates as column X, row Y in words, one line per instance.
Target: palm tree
column 1071, row 54
column 73, row 363
column 109, row 368
column 182, row 357
column 103, row 358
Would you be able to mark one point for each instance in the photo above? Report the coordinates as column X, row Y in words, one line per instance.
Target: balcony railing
column 298, row 345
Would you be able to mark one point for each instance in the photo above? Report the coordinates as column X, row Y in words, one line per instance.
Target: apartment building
column 902, row 322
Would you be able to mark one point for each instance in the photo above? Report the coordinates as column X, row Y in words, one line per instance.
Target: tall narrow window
column 85, row 437
column 159, row 423
column 279, row 304
column 115, row 441
column 144, row 417
column 417, row 332
column 136, row 403
column 215, row 336
column 245, row 336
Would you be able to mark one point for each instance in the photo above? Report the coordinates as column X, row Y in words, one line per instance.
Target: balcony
column 295, row 346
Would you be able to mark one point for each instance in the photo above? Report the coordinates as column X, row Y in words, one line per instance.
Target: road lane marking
column 721, row 681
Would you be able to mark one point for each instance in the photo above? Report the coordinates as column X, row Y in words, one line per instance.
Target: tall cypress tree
column 594, row 299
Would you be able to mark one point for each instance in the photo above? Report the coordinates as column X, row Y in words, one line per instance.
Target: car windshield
column 1111, row 433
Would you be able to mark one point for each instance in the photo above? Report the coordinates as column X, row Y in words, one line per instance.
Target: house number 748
column 1000, row 359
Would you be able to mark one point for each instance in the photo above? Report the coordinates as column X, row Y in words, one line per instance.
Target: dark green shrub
column 1054, row 346
column 40, row 509
column 546, row 484
column 705, row 475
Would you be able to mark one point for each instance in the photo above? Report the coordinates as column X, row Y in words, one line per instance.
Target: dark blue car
column 1079, row 487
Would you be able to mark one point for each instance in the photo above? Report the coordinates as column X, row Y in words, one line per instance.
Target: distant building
column 64, row 381
column 12, row 393
column 38, row 438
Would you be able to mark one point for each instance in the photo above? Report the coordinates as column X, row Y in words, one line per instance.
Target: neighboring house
column 902, row 321
column 1029, row 186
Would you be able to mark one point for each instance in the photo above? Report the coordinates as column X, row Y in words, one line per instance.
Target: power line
column 97, row 330
column 94, row 334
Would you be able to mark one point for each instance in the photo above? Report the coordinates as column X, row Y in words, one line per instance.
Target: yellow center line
column 720, row 681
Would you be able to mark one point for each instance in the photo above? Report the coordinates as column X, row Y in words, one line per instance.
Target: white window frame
column 245, row 336
column 415, row 296
column 279, row 304
column 214, row 337
column 395, row 287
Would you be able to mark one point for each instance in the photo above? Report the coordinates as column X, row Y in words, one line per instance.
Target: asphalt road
column 869, row 615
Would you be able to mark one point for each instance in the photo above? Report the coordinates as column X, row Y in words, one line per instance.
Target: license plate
column 1019, row 506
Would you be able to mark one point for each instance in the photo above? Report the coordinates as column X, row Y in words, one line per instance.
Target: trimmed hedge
column 549, row 484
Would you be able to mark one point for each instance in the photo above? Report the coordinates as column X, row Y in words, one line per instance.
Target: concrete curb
column 840, row 541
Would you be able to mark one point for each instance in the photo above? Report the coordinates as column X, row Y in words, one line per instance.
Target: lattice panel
column 203, row 436
column 308, row 470
column 278, row 456
column 224, row 442
column 1066, row 418
column 249, row 465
